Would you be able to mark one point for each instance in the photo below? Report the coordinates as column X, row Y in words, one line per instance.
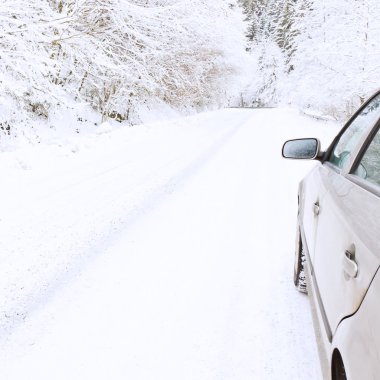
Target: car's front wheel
column 299, row 265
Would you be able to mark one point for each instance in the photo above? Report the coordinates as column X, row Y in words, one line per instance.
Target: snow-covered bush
column 116, row 55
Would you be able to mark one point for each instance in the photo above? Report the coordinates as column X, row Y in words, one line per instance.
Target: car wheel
column 299, row 263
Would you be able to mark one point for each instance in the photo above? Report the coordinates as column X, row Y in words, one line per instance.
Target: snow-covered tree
column 320, row 55
column 116, row 55
column 336, row 63
column 271, row 33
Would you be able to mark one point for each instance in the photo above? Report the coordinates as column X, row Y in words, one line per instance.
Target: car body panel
column 342, row 226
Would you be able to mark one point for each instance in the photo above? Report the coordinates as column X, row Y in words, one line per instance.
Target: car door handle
column 350, row 266
column 316, row 208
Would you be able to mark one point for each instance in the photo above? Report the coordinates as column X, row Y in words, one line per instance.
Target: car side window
column 369, row 166
column 352, row 135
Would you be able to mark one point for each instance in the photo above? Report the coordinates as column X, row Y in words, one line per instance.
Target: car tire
column 338, row 371
column 299, row 276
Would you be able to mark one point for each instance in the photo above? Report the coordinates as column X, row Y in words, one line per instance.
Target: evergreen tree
column 271, row 34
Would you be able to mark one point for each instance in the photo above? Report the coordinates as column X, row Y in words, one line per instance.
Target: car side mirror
column 304, row 149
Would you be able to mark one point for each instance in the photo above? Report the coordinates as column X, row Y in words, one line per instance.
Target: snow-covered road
column 156, row 252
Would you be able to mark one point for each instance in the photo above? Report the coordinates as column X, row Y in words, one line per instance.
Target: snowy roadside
column 64, row 203
column 147, row 235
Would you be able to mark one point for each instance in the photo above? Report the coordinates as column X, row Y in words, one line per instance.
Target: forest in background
column 320, row 55
column 68, row 65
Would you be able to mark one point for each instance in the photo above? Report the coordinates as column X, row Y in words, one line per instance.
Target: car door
column 344, row 262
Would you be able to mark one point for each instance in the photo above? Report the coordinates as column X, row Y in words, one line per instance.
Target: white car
column 337, row 255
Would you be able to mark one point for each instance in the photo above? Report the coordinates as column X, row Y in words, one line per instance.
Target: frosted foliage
column 337, row 56
column 329, row 53
column 115, row 55
column 271, row 33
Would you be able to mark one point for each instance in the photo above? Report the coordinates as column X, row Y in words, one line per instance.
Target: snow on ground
column 162, row 251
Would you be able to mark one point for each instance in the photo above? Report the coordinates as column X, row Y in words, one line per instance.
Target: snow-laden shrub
column 116, row 55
